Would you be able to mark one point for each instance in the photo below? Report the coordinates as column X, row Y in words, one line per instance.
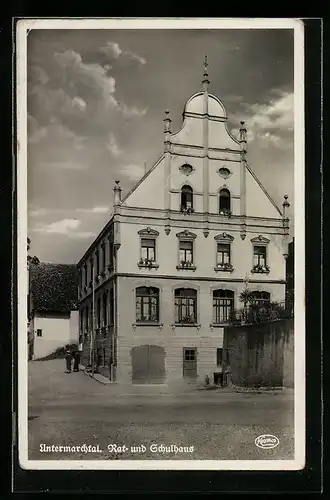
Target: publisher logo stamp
column 267, row 441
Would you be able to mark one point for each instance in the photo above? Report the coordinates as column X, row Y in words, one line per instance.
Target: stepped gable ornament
column 148, row 232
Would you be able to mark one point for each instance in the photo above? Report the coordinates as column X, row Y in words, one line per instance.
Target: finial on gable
column 242, row 136
column 167, row 130
column 117, row 193
column 205, row 81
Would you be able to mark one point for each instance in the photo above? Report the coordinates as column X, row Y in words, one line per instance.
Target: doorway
column 148, row 364
column 190, row 362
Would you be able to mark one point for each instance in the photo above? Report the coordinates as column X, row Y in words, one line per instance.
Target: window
column 111, row 307
column 223, row 304
column 148, row 249
column 103, row 256
column 39, row 333
column 85, row 274
column 86, row 319
column 224, row 201
column 259, row 255
column 260, row 298
column 186, row 252
column 91, row 265
column 186, row 198
column 105, row 309
column 98, row 312
column 147, row 304
column 189, row 354
column 223, row 253
column 185, row 305
column 111, row 255
column 222, row 356
column 97, row 256
column 82, row 317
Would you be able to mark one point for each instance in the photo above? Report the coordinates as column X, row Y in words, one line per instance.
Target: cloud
column 34, row 131
column 64, row 226
column 272, row 122
column 129, row 111
column 94, row 210
column 112, row 145
column 133, row 172
column 83, row 234
column 113, row 51
column 38, row 212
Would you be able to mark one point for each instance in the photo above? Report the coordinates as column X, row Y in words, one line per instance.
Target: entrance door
column 148, row 364
column 189, row 362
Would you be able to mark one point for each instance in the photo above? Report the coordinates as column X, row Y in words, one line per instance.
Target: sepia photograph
column 161, row 244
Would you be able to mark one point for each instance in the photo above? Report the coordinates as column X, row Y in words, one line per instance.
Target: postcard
column 161, row 244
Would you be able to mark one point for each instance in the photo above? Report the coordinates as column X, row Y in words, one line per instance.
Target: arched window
column 185, row 305
column 186, row 198
column 147, row 304
column 260, row 298
column 224, row 201
column 223, row 305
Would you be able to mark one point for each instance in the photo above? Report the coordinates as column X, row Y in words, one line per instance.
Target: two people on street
column 73, row 355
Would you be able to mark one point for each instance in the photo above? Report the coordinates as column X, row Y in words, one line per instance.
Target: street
column 73, row 410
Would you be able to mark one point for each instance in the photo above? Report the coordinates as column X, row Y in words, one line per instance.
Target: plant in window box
column 225, row 266
column 146, row 262
column 225, row 211
column 187, row 210
column 258, row 268
column 186, row 264
column 190, row 319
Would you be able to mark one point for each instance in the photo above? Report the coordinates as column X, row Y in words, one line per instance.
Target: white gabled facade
column 198, row 220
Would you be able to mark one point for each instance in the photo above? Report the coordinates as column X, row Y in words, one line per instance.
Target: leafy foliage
column 54, row 287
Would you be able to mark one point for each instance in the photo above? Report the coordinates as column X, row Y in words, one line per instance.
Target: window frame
column 178, row 315
column 148, row 234
column 148, row 304
column 186, row 236
column 39, row 330
column 228, row 210
column 224, row 239
column 261, row 242
column 185, row 190
column 221, row 309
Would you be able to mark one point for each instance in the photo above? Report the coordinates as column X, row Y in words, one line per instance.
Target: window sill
column 148, row 266
column 260, row 271
column 189, row 325
column 186, row 268
column 224, row 269
column 219, row 325
column 148, row 324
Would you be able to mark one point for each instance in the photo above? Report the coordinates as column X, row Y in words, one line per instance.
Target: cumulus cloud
column 129, row 111
column 112, row 145
column 94, row 210
column 64, row 226
column 83, row 235
column 112, row 50
column 132, row 172
column 272, row 122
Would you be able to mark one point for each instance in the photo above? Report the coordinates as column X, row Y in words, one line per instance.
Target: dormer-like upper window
column 224, row 202
column 187, row 199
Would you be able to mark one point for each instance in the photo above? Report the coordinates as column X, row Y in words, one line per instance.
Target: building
column 53, row 310
column 290, row 275
column 164, row 275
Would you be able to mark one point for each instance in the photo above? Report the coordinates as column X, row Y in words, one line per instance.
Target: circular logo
column 267, row 441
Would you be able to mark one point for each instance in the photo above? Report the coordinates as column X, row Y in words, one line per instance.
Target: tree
column 31, row 259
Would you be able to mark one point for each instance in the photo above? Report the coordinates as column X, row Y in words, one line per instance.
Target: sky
column 96, row 104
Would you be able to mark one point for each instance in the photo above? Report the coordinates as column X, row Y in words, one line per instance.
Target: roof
column 54, row 287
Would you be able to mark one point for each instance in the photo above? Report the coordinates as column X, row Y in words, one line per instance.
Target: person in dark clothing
column 76, row 361
column 68, row 359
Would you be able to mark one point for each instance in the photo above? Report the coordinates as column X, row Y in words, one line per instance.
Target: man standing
column 68, row 358
column 78, row 355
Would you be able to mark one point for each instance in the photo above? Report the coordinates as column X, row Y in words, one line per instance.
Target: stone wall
column 261, row 355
